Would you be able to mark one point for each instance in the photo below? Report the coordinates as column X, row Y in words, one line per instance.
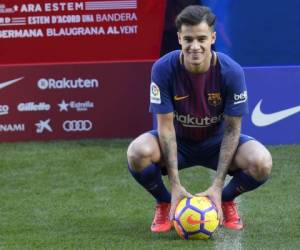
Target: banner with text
column 74, row 101
column 36, row 31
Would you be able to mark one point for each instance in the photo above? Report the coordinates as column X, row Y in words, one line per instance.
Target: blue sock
column 150, row 178
column 240, row 183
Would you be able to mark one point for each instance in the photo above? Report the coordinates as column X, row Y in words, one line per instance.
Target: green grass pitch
column 79, row 195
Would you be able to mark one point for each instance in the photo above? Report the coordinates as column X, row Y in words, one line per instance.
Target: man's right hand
column 178, row 193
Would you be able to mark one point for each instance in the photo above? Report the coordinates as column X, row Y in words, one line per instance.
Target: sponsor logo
column 78, row 106
column 214, row 99
column 240, row 98
column 261, row 119
column 154, row 93
column 192, row 221
column 4, row 109
column 16, row 127
column 179, row 98
column 31, row 106
column 196, row 122
column 7, row 83
column 67, row 83
column 77, row 125
column 41, row 126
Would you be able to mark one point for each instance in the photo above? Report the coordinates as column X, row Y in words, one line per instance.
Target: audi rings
column 77, row 125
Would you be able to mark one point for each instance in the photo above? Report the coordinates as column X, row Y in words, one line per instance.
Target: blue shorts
column 206, row 153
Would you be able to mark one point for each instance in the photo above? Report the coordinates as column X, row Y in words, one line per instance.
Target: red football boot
column 161, row 222
column 232, row 219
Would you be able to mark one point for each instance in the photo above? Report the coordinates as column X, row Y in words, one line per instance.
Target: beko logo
column 77, row 125
column 240, row 98
column 4, row 109
column 31, row 106
column 67, row 83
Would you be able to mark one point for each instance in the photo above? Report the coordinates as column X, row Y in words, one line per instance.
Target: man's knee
column 143, row 151
column 260, row 166
column 254, row 159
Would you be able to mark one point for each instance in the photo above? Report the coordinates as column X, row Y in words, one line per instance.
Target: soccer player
column 199, row 97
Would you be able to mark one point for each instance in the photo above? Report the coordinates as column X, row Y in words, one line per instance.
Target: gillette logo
column 31, row 106
column 67, row 83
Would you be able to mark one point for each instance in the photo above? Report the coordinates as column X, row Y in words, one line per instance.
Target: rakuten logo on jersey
column 4, row 109
column 196, row 122
column 67, row 83
column 240, row 98
column 77, row 125
column 20, row 127
column 31, row 106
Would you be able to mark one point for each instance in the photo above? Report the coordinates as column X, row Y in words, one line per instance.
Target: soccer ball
column 196, row 218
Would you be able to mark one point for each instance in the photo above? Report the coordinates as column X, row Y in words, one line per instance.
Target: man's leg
column 143, row 157
column 252, row 166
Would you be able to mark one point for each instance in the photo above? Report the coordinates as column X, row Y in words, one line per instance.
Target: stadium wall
column 77, row 69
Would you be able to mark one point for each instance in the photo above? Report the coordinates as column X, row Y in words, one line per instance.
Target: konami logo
column 16, row 127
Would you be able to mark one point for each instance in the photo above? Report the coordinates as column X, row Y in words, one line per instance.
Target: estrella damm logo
column 214, row 99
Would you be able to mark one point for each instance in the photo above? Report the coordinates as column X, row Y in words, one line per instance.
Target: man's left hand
column 214, row 193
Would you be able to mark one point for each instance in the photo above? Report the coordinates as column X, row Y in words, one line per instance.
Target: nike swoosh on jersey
column 261, row 119
column 5, row 84
column 179, row 98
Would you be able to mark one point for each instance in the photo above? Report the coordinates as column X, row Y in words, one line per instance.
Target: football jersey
column 198, row 100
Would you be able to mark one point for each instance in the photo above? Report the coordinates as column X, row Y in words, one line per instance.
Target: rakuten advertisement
column 274, row 104
column 74, row 101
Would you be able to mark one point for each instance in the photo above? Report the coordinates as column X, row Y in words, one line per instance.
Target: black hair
column 195, row 14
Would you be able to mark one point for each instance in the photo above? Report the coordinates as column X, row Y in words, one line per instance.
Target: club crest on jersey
column 154, row 93
column 214, row 99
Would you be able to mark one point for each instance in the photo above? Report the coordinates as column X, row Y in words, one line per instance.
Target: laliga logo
column 77, row 125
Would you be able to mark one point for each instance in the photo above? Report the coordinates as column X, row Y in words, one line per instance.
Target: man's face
column 196, row 41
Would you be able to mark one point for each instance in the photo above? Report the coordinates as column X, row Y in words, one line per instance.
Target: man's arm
column 228, row 147
column 167, row 140
column 227, row 151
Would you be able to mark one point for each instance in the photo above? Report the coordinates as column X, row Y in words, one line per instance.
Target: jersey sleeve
column 236, row 102
column 160, row 90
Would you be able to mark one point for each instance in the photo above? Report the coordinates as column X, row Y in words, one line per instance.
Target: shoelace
column 161, row 213
column 232, row 211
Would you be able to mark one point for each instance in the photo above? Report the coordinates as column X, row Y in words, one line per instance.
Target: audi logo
column 77, row 125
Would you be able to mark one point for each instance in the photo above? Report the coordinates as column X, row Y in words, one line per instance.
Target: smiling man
column 199, row 97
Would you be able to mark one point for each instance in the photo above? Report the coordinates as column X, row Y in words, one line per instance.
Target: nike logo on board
column 179, row 98
column 7, row 83
column 261, row 119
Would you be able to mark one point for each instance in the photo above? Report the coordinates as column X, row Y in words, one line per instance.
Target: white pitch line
column 232, row 241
